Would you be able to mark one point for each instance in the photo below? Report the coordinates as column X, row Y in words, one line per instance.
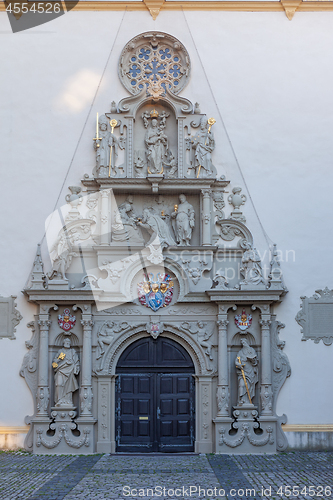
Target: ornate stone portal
column 147, row 251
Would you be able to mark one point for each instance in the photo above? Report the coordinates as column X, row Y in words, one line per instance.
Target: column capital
column 87, row 323
column 265, row 323
column 222, row 322
column 44, row 324
column 206, row 193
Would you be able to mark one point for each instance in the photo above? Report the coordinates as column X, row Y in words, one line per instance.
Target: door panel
column 134, row 396
column 155, row 397
column 175, row 423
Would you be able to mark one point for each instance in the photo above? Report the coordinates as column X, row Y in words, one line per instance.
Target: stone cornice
column 154, row 7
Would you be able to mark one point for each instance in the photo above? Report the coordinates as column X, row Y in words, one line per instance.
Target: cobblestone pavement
column 208, row 477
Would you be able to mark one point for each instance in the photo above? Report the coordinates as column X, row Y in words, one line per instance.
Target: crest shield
column 66, row 321
column 155, row 293
column 243, row 321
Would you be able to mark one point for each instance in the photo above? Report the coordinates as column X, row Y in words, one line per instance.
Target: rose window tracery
column 156, row 61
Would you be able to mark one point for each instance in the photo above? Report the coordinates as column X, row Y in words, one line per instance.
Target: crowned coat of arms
column 66, row 321
column 243, row 321
column 156, row 293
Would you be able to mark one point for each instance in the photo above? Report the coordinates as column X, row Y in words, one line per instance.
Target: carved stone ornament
column 9, row 317
column 243, row 321
column 154, row 329
column 154, row 61
column 155, row 293
column 66, row 320
column 315, row 317
column 237, row 200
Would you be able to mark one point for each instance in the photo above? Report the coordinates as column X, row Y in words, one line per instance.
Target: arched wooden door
column 155, row 397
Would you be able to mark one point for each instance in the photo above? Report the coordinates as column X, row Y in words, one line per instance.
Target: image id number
column 311, row 491
column 37, row 7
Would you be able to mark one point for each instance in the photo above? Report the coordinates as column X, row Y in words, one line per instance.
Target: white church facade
column 170, row 173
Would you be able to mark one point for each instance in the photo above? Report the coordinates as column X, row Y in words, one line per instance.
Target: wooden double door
column 155, row 398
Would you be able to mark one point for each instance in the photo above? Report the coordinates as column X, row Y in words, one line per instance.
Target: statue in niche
column 107, row 143
column 251, row 266
column 104, row 337
column 156, row 227
column 156, row 141
column 247, row 368
column 125, row 228
column 204, row 144
column 61, row 255
column 183, row 221
column 66, row 366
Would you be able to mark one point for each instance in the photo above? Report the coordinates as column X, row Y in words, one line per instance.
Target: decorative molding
column 290, row 7
column 233, row 6
column 314, row 317
column 307, row 428
column 154, row 7
column 10, row 317
column 24, row 429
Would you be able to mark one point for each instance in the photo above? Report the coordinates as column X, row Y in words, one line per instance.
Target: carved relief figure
column 204, row 144
column 104, row 337
column 247, row 368
column 251, row 270
column 156, row 226
column 61, row 255
column 103, row 147
column 172, row 163
column 125, row 227
column 157, row 144
column 66, row 365
column 183, row 221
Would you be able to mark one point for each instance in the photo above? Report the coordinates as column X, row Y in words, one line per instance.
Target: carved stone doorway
column 155, row 398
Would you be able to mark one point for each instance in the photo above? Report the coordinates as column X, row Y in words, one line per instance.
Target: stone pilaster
column 105, row 217
column 223, row 393
column 43, row 393
column 86, row 395
column 206, row 217
column 266, row 394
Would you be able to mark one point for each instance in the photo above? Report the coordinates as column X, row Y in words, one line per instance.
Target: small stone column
column 206, row 217
column 86, row 395
column 222, row 394
column 105, row 217
column 43, row 393
column 266, row 394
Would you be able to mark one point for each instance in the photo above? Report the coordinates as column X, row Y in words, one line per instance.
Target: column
column 223, row 374
column 206, row 217
column 105, row 217
column 86, row 395
column 181, row 147
column 266, row 394
column 43, row 393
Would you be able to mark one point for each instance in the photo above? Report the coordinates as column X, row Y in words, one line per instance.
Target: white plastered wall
column 271, row 80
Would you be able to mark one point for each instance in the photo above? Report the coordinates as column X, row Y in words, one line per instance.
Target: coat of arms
column 155, row 293
column 243, row 321
column 66, row 321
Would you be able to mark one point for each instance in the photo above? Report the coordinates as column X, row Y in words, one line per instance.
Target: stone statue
column 61, row 255
column 171, row 162
column 66, row 365
column 125, row 227
column 183, row 221
column 157, row 144
column 251, row 270
column 203, row 143
column 104, row 337
column 102, row 148
column 246, row 367
column 156, row 227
